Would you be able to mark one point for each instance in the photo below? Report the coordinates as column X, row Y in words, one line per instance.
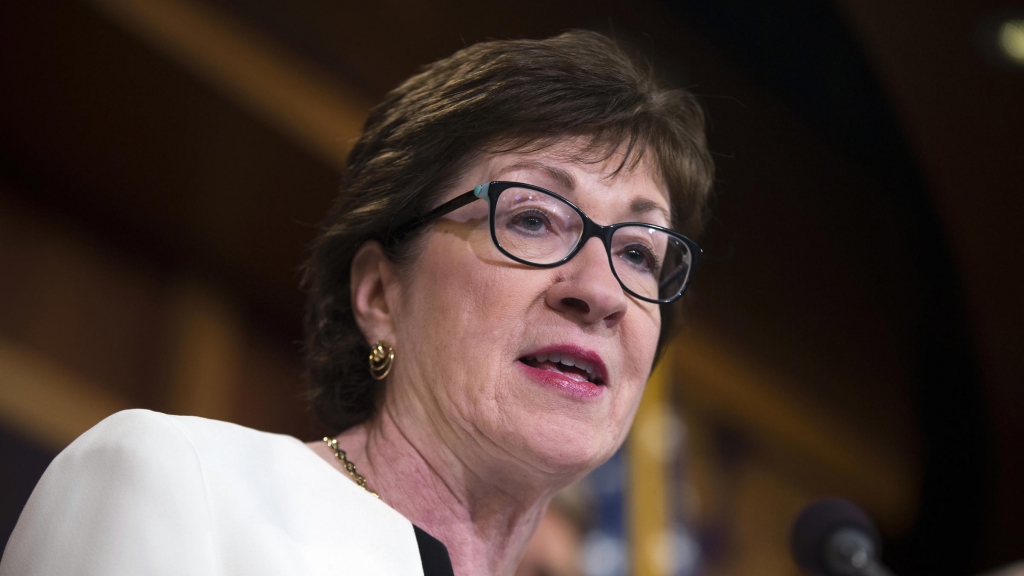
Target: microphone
column 833, row 537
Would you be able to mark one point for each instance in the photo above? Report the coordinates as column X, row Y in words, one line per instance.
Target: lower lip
column 569, row 386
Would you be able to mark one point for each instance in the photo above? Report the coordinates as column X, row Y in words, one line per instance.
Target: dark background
column 865, row 244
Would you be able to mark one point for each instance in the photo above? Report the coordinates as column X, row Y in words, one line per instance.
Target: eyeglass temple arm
column 673, row 277
column 449, row 206
column 682, row 271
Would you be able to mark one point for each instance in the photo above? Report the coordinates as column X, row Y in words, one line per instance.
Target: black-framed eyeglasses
column 539, row 228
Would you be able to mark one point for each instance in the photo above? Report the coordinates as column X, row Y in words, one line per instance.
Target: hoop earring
column 382, row 356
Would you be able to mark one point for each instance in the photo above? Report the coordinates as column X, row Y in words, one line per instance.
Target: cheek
column 640, row 338
column 462, row 317
column 468, row 299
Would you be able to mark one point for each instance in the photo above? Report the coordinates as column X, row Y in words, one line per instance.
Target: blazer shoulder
column 138, row 435
column 127, row 495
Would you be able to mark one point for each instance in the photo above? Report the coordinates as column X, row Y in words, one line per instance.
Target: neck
column 485, row 522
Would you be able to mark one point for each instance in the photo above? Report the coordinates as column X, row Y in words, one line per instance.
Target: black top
column 433, row 554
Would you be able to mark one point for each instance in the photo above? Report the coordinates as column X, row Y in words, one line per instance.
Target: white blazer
column 143, row 493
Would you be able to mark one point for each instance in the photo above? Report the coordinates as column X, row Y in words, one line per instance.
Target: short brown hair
column 496, row 96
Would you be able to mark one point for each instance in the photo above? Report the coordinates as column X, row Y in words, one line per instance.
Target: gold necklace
column 349, row 467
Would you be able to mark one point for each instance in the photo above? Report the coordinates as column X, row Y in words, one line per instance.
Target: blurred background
column 855, row 329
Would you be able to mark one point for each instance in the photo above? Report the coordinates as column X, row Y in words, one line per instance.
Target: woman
column 486, row 301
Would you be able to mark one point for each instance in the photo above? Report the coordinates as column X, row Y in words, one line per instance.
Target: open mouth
column 567, row 365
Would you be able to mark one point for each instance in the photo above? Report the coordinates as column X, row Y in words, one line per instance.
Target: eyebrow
column 645, row 205
column 564, row 178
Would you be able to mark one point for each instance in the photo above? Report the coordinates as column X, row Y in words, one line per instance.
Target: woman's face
column 475, row 332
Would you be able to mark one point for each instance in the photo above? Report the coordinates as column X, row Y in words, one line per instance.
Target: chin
column 568, row 447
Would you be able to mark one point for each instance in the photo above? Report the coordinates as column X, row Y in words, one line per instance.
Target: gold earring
column 382, row 356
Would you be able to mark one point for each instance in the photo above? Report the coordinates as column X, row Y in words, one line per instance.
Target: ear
column 371, row 281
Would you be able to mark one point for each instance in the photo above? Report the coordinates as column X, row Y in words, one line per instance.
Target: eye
column 640, row 257
column 529, row 221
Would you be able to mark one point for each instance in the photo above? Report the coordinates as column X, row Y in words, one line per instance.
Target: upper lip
column 592, row 362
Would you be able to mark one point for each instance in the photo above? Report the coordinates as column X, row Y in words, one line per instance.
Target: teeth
column 570, row 361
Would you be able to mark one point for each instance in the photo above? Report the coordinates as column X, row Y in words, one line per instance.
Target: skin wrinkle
column 474, row 515
column 467, row 447
column 641, row 160
column 436, row 473
column 468, row 431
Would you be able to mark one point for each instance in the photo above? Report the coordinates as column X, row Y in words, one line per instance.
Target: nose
column 586, row 289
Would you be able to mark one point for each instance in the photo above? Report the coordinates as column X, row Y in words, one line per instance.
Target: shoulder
column 140, row 445
column 173, row 445
column 147, row 493
column 136, row 447
column 128, row 493
column 134, row 433
column 133, row 428
column 185, row 458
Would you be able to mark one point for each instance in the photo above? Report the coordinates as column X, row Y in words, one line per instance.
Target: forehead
column 593, row 180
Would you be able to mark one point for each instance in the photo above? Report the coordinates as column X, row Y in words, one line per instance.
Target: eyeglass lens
column 542, row 229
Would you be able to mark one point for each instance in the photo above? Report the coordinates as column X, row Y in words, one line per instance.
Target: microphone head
column 817, row 522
